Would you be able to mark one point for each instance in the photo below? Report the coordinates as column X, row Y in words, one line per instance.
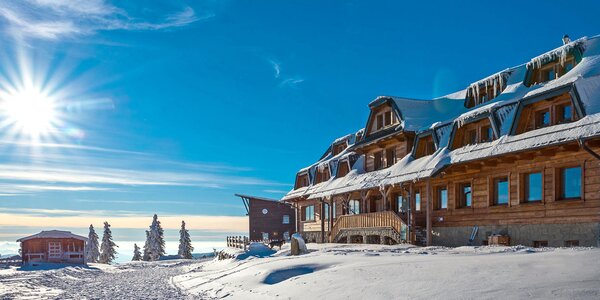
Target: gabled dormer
column 475, row 131
column 323, row 173
column 383, row 116
column 425, row 144
column 302, row 180
column 486, row 89
column 554, row 64
column 557, row 106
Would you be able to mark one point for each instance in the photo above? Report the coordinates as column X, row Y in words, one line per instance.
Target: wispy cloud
column 26, row 217
column 56, row 19
column 283, row 79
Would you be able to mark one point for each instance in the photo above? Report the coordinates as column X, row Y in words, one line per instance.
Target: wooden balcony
column 382, row 219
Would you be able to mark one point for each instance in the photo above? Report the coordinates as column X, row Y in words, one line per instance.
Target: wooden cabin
column 53, row 246
column 269, row 219
column 513, row 157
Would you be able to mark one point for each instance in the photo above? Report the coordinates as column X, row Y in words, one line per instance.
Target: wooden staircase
column 382, row 219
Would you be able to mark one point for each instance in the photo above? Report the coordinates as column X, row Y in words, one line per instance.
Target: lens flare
column 29, row 112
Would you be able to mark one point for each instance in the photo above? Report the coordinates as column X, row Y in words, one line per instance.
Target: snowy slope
column 398, row 272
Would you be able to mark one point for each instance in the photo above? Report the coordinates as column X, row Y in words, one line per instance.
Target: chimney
column 566, row 39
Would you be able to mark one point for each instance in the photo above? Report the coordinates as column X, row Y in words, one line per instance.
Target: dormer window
column 554, row 64
column 546, row 112
column 425, row 146
column 322, row 174
column 473, row 133
column 301, row 180
column 384, row 118
column 486, row 89
column 343, row 169
column 337, row 149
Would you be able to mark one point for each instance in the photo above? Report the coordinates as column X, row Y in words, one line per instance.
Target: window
column 265, row 236
column 417, row 201
column 379, row 122
column 378, row 160
column 390, row 157
column 286, row 235
column 549, row 74
column 564, row 113
column 286, row 219
column 353, row 207
column 572, row 243
column 387, row 118
column 501, row 191
column 552, row 69
column 464, row 195
column 471, row 137
column 570, row 183
column 400, row 203
column 533, row 187
column 326, row 212
column 343, row 169
column 309, row 213
column 442, row 198
column 333, row 212
column 540, row 244
column 301, row 181
column 425, row 146
column 487, row 134
column 542, row 118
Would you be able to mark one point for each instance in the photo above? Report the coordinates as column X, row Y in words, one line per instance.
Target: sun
column 29, row 112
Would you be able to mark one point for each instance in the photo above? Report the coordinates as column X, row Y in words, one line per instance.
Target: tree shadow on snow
column 285, row 274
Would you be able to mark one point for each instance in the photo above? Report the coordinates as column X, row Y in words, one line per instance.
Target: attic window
column 343, row 169
column 425, row 146
column 337, row 149
column 554, row 64
column 384, row 118
column 301, row 181
column 473, row 133
column 322, row 174
column 486, row 89
column 547, row 112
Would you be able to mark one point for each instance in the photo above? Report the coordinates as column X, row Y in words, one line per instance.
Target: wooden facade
column 53, row 247
column 269, row 219
column 528, row 166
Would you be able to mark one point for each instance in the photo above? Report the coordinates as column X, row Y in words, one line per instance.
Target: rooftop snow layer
column 53, row 234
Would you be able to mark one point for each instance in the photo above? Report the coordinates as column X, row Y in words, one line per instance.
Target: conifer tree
column 107, row 249
column 136, row 253
column 146, row 256
column 92, row 247
column 156, row 240
column 185, row 243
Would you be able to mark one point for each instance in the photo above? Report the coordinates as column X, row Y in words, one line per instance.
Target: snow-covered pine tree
column 92, row 247
column 185, row 243
column 136, row 253
column 146, row 256
column 156, row 240
column 107, row 249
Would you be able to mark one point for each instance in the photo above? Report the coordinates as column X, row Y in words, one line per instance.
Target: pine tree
column 156, row 240
column 136, row 253
column 108, row 246
column 146, row 256
column 185, row 243
column 92, row 247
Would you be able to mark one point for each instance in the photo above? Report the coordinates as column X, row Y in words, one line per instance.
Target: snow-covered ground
column 331, row 271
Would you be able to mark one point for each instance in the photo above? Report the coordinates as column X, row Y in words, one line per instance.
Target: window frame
column 558, row 187
column 283, row 221
column 524, row 184
column 492, row 191
column 305, row 211
column 438, row 197
column 461, row 201
column 417, row 192
column 351, row 210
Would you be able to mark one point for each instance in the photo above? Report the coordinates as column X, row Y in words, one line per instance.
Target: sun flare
column 29, row 112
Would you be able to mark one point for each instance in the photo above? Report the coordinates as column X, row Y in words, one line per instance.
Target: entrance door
column 54, row 250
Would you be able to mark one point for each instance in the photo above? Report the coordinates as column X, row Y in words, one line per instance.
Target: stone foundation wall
column 313, row 236
column 588, row 234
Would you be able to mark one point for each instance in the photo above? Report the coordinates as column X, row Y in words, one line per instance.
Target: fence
column 240, row 242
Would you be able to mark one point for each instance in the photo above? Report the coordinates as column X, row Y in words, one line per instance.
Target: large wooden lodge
column 516, row 154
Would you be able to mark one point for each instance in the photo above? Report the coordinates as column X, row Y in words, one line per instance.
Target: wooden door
column 54, row 250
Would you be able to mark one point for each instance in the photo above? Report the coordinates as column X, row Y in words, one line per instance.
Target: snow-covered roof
column 443, row 114
column 53, row 234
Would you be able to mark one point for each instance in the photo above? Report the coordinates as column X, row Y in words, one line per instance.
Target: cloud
column 292, row 82
column 276, row 67
column 78, row 219
column 57, row 19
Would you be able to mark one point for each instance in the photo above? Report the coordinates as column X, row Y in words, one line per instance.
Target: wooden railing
column 240, row 242
column 369, row 220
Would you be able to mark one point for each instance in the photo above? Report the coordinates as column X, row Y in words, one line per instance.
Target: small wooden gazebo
column 53, row 246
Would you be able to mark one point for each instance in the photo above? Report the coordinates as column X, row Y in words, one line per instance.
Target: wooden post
column 409, row 216
column 429, row 207
column 322, row 214
column 331, row 206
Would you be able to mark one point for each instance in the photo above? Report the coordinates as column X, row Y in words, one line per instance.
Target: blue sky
column 171, row 107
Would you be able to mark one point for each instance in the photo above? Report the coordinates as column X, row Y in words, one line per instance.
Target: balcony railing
column 369, row 220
